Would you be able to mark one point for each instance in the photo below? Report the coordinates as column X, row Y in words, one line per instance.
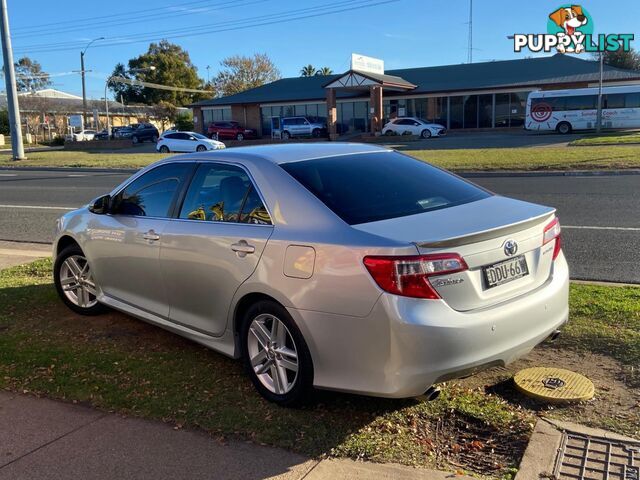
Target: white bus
column 576, row 109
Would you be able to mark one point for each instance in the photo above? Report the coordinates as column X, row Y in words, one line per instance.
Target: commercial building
column 466, row 96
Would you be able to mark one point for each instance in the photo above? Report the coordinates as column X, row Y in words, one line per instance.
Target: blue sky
column 404, row 33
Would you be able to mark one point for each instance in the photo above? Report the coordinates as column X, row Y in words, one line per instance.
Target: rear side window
column 369, row 187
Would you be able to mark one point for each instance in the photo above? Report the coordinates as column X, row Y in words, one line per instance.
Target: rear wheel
column 315, row 133
column 388, row 133
column 564, row 128
column 426, row 133
column 154, row 138
column 240, row 137
column 74, row 282
column 201, row 148
column 286, row 135
column 276, row 355
column 164, row 149
column 135, row 140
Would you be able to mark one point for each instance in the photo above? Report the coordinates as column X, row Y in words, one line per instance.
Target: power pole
column 470, row 53
column 12, row 91
column 84, row 92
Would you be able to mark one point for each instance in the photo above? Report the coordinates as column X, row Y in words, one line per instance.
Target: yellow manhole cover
column 554, row 384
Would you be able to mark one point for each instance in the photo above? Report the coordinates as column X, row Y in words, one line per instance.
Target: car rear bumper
column 405, row 345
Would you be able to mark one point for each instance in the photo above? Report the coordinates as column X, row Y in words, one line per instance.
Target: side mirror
column 101, row 205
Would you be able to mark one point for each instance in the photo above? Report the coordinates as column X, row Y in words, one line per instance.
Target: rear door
column 214, row 246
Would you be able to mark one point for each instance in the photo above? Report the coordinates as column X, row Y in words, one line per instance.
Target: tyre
column 315, row 133
column 74, row 282
column 240, row 137
column 154, row 138
column 564, row 128
column 389, row 133
column 286, row 135
column 426, row 133
column 164, row 149
column 201, row 148
column 135, row 140
column 275, row 354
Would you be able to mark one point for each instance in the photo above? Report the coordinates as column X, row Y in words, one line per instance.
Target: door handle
column 242, row 248
column 151, row 235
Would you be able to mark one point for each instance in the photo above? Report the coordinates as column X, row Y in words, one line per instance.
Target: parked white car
column 81, row 136
column 413, row 126
column 173, row 141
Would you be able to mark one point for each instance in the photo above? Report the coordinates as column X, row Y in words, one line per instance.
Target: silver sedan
column 337, row 266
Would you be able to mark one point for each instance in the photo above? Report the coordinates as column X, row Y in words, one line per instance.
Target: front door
column 124, row 246
column 213, row 247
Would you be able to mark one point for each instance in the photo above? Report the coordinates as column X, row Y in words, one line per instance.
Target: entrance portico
column 355, row 80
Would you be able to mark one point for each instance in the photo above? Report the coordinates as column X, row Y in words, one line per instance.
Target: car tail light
column 409, row 275
column 552, row 232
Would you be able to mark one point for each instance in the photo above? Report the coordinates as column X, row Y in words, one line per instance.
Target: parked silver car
column 301, row 127
column 338, row 266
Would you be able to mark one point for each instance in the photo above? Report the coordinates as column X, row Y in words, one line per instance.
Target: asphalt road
column 600, row 215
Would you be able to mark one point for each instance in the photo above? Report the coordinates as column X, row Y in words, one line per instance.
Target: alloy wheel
column 77, row 282
column 273, row 354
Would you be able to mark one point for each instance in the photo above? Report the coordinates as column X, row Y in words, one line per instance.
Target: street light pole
column 599, row 112
column 84, row 90
column 12, row 91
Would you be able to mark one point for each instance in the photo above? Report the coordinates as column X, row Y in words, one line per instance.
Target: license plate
column 505, row 271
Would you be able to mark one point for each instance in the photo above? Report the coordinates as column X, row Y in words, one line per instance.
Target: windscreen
column 368, row 187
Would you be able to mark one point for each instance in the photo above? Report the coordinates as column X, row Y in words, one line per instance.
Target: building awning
column 357, row 80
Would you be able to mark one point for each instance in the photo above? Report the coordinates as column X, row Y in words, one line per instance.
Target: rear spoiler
column 487, row 234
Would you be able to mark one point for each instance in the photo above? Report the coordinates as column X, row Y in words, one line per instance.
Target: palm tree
column 308, row 71
column 324, row 71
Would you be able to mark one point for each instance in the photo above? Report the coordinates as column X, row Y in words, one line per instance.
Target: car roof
column 286, row 153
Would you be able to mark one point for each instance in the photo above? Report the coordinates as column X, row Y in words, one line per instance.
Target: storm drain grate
column 587, row 457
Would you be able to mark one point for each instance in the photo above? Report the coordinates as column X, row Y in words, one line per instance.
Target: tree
column 173, row 67
column 30, row 76
column 324, row 71
column 308, row 71
column 628, row 60
column 165, row 112
column 241, row 73
column 184, row 122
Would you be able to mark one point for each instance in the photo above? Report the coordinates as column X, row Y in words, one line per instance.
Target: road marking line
column 581, row 227
column 76, row 175
column 37, row 207
column 8, row 174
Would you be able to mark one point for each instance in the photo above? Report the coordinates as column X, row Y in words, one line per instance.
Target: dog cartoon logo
column 572, row 21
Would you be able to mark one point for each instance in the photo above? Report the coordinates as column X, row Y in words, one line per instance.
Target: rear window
column 369, row 187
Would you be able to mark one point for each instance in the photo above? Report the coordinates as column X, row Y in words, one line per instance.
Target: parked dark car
column 230, row 130
column 139, row 132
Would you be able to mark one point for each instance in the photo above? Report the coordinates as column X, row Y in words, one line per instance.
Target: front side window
column 152, row 194
column 223, row 193
column 365, row 188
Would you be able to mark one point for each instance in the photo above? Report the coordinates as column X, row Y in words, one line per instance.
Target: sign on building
column 363, row 63
column 75, row 121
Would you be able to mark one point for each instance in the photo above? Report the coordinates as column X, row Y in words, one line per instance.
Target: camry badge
column 510, row 248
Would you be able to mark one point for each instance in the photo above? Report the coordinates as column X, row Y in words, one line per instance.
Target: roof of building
column 447, row 78
column 50, row 93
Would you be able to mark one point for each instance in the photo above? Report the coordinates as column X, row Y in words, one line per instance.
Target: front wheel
column 564, row 128
column 286, row 135
column 154, row 138
column 74, row 282
column 240, row 137
column 135, row 140
column 276, row 355
column 201, row 148
column 315, row 133
column 426, row 133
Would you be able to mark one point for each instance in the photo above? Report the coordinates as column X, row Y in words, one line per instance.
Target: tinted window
column 632, row 100
column 615, row 100
column 173, row 136
column 223, row 193
column 152, row 194
column 181, row 136
column 582, row 102
column 369, row 187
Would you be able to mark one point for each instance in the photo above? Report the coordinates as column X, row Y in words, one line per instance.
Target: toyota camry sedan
column 336, row 266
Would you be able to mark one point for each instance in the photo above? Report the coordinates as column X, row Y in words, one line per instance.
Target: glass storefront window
column 210, row 115
column 518, row 108
column 502, row 110
column 470, row 111
column 485, row 110
column 300, row 110
column 456, row 116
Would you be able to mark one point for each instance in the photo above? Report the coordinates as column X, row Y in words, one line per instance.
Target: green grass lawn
column 613, row 138
column 530, row 158
column 116, row 363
